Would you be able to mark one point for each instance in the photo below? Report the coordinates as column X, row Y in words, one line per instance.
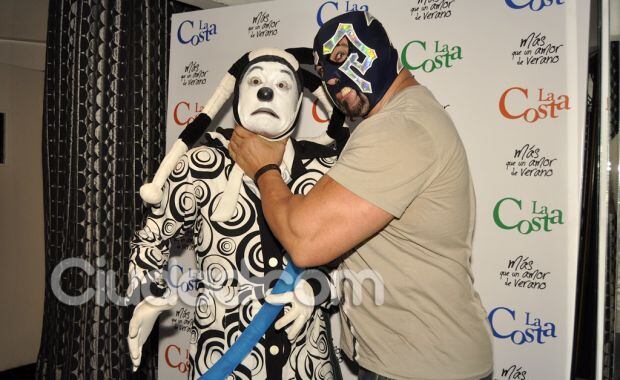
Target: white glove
column 302, row 305
column 142, row 321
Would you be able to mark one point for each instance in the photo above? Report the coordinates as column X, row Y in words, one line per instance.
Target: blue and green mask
column 353, row 51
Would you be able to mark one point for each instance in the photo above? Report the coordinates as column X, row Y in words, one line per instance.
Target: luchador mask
column 268, row 96
column 356, row 61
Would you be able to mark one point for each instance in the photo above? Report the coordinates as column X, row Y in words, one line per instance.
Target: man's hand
column 251, row 152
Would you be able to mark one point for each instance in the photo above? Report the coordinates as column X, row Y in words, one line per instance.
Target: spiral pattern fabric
column 239, row 261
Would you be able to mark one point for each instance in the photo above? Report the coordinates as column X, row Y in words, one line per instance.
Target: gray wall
column 23, row 26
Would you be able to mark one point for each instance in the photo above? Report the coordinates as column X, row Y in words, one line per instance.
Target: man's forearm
column 320, row 226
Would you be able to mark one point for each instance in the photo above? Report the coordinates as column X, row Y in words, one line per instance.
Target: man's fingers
column 235, row 135
column 283, row 142
column 232, row 150
column 286, row 319
column 242, row 132
column 281, row 298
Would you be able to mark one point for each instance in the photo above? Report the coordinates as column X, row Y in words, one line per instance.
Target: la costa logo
column 177, row 358
column 329, row 9
column 195, row 32
column 518, row 103
column 520, row 328
column 438, row 55
column 317, row 114
column 179, row 278
column 184, row 112
column 535, row 5
column 509, row 214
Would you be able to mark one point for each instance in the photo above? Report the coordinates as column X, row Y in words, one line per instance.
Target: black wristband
column 264, row 170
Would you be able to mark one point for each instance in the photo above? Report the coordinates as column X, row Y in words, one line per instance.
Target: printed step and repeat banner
column 512, row 74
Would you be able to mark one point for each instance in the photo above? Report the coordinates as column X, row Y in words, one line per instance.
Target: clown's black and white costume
column 207, row 195
column 243, row 246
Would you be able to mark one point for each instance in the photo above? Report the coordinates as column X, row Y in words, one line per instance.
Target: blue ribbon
column 255, row 330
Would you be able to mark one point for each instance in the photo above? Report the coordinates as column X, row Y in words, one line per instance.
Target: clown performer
column 201, row 192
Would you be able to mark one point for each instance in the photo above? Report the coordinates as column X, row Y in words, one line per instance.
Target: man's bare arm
column 322, row 225
column 315, row 228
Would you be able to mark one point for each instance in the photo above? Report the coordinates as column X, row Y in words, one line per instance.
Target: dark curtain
column 584, row 347
column 583, row 364
column 610, row 344
column 103, row 135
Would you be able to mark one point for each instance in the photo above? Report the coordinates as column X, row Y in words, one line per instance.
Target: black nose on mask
column 265, row 94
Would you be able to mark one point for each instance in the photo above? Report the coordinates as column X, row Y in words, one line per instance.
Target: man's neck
column 402, row 81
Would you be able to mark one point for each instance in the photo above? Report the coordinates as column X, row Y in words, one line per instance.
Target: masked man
column 399, row 200
column 235, row 250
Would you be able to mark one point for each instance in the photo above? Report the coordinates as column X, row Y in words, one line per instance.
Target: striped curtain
column 103, row 135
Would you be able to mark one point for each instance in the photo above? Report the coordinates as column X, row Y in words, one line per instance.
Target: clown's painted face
column 356, row 61
column 269, row 98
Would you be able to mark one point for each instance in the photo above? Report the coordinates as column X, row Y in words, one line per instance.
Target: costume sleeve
column 388, row 161
column 171, row 218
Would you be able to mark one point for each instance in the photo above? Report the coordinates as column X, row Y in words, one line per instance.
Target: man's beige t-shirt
column 408, row 159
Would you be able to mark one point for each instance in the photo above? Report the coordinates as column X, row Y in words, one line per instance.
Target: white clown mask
column 268, row 98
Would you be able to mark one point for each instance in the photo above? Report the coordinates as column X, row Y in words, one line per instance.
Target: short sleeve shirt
column 408, row 159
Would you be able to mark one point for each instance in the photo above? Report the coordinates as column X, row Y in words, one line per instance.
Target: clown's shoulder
column 315, row 156
column 213, row 144
column 315, row 161
column 211, row 156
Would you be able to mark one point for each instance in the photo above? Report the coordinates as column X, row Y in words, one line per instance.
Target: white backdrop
column 512, row 74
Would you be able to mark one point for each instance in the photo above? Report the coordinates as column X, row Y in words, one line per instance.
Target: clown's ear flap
column 303, row 55
column 152, row 192
column 336, row 131
column 311, row 82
